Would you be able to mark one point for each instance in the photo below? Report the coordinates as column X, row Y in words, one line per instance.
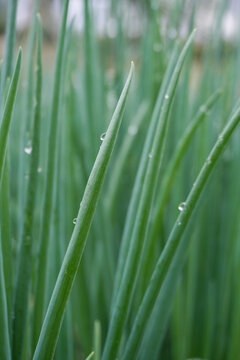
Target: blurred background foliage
column 105, row 12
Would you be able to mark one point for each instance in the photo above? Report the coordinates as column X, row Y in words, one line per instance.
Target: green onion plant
column 119, row 186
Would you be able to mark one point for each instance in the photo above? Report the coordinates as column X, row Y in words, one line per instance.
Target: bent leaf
column 52, row 322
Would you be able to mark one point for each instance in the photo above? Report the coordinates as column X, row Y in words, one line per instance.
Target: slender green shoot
column 127, row 283
column 53, row 320
column 25, row 257
column 40, row 304
column 167, row 255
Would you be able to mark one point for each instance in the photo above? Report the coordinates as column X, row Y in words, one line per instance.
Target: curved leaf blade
column 164, row 262
column 52, row 323
column 25, row 258
column 126, row 287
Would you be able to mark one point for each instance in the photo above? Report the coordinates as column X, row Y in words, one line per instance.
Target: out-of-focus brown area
column 132, row 11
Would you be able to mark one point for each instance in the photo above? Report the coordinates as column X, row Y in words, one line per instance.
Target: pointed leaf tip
column 132, row 66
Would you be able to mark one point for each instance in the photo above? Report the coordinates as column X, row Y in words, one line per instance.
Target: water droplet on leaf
column 209, row 160
column 220, row 138
column 28, row 149
column 102, row 137
column 181, row 206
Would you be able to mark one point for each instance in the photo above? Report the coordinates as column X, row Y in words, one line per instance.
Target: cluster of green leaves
column 119, row 263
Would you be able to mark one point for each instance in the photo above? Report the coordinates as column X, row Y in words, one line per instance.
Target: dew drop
column 209, row 160
column 220, row 138
column 102, row 137
column 150, row 155
column 166, row 96
column 179, row 223
column 28, row 149
column 39, row 170
column 181, row 206
column 74, row 221
column 132, row 130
